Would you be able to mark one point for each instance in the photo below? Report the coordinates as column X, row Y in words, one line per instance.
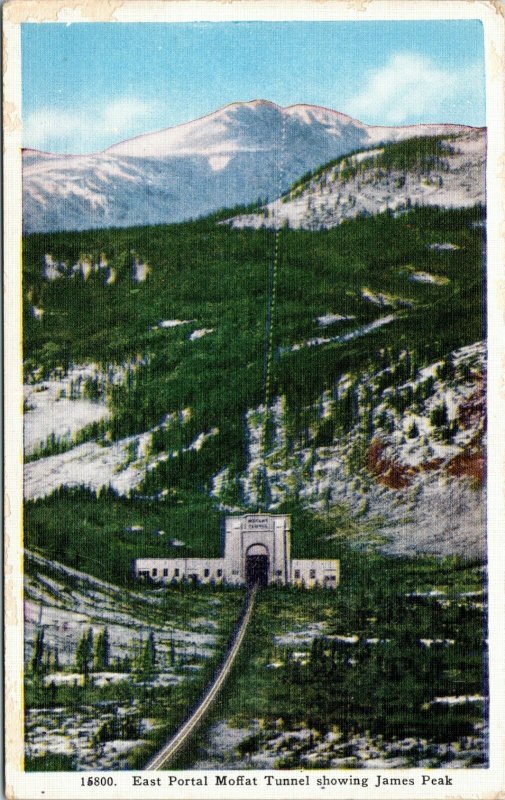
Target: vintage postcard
column 254, row 367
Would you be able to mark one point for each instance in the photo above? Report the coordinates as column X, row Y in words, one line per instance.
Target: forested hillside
column 146, row 422
column 157, row 336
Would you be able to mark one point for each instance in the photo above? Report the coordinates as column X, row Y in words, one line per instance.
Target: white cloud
column 412, row 88
column 84, row 130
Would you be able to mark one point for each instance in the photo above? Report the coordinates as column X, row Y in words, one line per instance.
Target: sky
column 87, row 86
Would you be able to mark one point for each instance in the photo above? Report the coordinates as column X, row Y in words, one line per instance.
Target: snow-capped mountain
column 235, row 155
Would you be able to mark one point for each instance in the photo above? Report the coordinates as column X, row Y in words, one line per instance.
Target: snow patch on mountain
column 332, row 196
column 84, row 267
column 384, row 299
column 122, row 464
column 200, row 333
column 427, row 277
column 171, row 323
column 417, row 477
column 60, row 408
column 233, row 156
column 37, row 312
column 140, row 271
column 325, row 320
column 443, row 246
column 344, row 337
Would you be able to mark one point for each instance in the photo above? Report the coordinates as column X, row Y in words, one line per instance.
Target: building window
column 155, row 572
column 176, row 573
column 220, row 573
column 297, row 573
column 312, row 573
column 206, row 573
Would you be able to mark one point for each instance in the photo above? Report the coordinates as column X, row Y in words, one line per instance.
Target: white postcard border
column 470, row 783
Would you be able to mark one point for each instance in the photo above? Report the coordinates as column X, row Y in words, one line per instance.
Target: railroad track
column 174, row 744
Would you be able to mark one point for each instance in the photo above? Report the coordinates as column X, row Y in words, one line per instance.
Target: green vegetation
column 122, row 705
column 420, row 153
column 146, row 662
column 101, row 652
column 94, row 534
column 50, row 763
column 384, row 681
column 218, row 278
column 84, row 653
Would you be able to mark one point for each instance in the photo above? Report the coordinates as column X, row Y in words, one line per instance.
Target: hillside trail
column 270, row 330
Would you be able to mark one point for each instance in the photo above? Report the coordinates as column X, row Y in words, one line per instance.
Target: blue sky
column 86, row 86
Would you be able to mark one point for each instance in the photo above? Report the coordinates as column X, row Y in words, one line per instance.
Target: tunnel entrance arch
column 257, row 564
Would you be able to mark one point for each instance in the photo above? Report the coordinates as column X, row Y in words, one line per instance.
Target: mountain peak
column 229, row 157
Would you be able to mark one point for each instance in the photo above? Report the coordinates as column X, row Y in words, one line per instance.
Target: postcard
column 254, row 409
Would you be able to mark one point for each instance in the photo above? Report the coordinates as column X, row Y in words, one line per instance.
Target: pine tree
column 84, row 653
column 413, row 431
column 146, row 663
column 439, row 416
column 151, row 651
column 101, row 653
column 52, row 694
column 36, row 661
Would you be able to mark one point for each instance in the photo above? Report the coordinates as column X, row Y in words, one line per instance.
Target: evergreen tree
column 151, row 650
column 346, row 411
column 52, row 694
column 413, row 431
column 147, row 659
column 102, row 651
column 439, row 416
column 36, row 661
column 84, row 653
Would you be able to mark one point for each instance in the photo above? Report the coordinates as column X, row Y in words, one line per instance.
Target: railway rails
column 181, row 736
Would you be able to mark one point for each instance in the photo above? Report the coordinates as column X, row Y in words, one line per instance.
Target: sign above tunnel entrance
column 257, row 523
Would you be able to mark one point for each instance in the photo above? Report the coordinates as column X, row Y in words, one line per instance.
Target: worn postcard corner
column 254, row 441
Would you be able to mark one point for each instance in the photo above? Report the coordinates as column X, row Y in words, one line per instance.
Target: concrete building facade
column 257, row 549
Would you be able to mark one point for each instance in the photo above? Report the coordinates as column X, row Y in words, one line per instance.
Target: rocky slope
column 409, row 468
column 364, row 184
column 235, row 155
column 102, row 727
column 401, row 449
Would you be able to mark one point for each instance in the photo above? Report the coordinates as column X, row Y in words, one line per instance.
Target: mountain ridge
column 446, row 171
column 223, row 159
column 258, row 102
